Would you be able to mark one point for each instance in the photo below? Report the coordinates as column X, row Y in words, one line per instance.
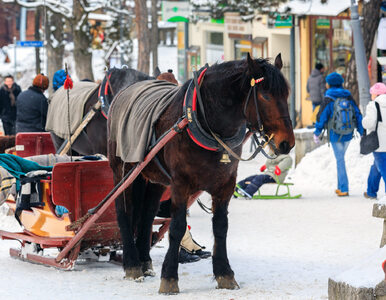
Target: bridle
column 224, row 146
column 103, row 94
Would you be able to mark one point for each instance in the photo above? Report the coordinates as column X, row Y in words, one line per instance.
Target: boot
column 192, row 247
column 185, row 257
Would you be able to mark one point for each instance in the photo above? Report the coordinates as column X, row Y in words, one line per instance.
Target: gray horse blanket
column 57, row 115
column 133, row 114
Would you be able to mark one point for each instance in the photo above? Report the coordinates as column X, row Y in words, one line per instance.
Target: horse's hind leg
column 221, row 268
column 169, row 276
column 149, row 211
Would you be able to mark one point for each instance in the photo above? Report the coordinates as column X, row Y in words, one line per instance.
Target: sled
column 277, row 195
column 86, row 189
column 33, row 143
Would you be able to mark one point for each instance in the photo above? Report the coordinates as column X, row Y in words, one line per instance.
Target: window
column 214, row 47
column 331, row 43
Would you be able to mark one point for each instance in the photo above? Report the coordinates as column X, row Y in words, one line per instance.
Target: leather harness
column 103, row 95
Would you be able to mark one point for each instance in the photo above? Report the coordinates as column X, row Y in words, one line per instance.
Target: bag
column 343, row 120
column 370, row 143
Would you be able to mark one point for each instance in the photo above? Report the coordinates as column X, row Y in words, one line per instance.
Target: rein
column 226, row 148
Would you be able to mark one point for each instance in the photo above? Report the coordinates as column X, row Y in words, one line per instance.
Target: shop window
column 331, row 40
column 214, row 47
column 260, row 47
column 242, row 48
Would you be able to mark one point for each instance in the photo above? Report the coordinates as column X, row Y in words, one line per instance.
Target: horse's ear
column 157, row 72
column 278, row 62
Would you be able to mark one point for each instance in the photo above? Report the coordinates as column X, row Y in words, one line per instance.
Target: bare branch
column 54, row 6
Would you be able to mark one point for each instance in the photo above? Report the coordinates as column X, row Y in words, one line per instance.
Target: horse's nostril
column 284, row 147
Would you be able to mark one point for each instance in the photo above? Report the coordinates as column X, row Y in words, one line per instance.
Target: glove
column 263, row 168
column 277, row 171
column 316, row 139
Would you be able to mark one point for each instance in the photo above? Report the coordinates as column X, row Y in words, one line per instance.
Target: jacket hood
column 315, row 73
column 381, row 99
column 335, row 92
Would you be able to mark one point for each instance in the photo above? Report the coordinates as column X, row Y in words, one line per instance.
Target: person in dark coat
column 316, row 85
column 8, row 94
column 32, row 106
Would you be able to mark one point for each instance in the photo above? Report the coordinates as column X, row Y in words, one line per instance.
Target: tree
column 369, row 28
column 154, row 32
column 143, row 35
column 75, row 14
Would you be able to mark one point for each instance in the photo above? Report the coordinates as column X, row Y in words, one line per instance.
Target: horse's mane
column 237, row 71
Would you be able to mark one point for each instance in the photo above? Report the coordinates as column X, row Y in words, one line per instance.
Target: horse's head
column 266, row 106
column 168, row 76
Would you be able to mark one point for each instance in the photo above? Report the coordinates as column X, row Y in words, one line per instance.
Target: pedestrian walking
column 339, row 115
column 316, row 86
column 32, row 106
column 378, row 169
column 8, row 94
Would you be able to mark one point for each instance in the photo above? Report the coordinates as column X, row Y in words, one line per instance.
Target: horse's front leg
column 221, row 268
column 169, row 275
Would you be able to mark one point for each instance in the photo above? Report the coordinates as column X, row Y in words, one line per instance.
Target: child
column 275, row 170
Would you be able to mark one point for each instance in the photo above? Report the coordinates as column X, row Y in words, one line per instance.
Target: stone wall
column 304, row 143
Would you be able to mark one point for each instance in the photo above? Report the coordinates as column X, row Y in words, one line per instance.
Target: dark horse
column 230, row 106
column 94, row 137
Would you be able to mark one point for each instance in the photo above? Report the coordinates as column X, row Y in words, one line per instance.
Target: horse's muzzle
column 284, row 147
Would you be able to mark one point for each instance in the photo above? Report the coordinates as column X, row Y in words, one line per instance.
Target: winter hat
column 58, row 79
column 41, row 82
column 378, row 89
column 334, row 79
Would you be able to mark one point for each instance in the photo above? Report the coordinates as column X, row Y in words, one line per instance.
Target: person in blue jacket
column 339, row 142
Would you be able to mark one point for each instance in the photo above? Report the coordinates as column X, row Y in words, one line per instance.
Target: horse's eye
column 265, row 96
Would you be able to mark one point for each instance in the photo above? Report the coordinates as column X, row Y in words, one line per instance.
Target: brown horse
column 234, row 95
column 94, row 137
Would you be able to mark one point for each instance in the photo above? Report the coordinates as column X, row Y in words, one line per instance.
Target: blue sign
column 37, row 44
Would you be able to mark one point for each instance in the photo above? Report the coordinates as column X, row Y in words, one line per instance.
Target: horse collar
column 195, row 130
column 103, row 95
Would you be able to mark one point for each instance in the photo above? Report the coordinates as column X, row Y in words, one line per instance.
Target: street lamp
column 360, row 59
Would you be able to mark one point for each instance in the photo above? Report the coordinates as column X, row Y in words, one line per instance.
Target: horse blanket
column 133, row 114
column 57, row 115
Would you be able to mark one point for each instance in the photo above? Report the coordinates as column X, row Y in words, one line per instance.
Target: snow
column 278, row 249
column 316, row 7
column 368, row 273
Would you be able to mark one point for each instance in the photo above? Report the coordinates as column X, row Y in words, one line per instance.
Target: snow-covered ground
column 278, row 249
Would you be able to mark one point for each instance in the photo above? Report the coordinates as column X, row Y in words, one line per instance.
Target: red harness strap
column 194, row 108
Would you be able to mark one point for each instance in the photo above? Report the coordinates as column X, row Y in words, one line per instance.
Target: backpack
column 343, row 120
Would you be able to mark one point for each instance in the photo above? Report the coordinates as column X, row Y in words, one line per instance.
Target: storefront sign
column 234, row 24
column 175, row 11
column 283, row 21
column 323, row 23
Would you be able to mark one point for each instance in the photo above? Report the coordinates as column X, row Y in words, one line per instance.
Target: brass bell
column 225, row 158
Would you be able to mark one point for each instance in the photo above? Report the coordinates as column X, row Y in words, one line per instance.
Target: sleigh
column 78, row 187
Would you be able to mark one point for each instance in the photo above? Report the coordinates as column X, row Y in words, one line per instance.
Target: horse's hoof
column 134, row 273
column 227, row 282
column 147, row 268
column 169, row 286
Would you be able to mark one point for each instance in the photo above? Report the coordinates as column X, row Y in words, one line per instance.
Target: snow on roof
column 315, row 7
column 163, row 24
column 99, row 17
